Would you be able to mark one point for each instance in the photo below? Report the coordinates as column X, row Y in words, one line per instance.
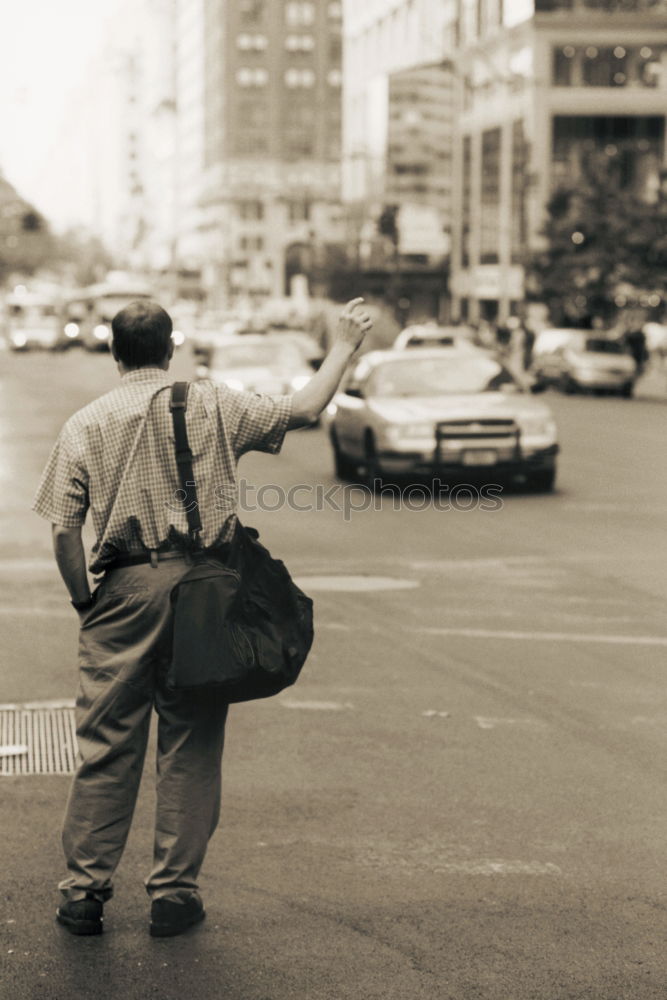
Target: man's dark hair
column 141, row 334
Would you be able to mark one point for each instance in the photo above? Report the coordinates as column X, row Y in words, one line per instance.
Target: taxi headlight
column 538, row 427
column 101, row 332
column 19, row 339
column 178, row 337
column 71, row 330
column 403, row 432
column 415, row 430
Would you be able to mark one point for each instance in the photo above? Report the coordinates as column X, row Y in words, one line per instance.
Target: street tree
column 606, row 245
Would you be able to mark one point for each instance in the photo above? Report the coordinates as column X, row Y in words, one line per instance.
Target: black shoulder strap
column 178, row 405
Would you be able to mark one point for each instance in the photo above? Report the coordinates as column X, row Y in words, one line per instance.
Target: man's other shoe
column 169, row 918
column 81, row 916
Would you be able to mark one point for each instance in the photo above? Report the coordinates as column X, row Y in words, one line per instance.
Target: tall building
column 382, row 38
column 542, row 83
column 271, row 136
column 398, row 106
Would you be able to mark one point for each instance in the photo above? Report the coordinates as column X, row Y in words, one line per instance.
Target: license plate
column 480, row 456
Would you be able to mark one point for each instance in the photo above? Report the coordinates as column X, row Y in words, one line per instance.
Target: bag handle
column 178, row 404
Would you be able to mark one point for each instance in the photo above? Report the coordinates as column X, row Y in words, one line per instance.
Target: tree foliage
column 606, row 246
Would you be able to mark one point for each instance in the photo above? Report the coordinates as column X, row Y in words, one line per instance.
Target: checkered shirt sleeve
column 255, row 422
column 62, row 496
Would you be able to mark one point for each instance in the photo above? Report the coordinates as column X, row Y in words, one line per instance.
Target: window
column 251, row 144
column 254, row 113
column 335, row 11
column 563, row 63
column 252, row 43
column 490, row 203
column 252, row 77
column 300, row 14
column 300, row 78
column 334, row 78
column 299, row 43
column 251, row 210
column 466, row 207
column 252, row 10
column 298, row 211
column 299, row 147
column 253, row 244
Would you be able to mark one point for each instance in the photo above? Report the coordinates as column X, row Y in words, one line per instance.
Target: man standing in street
column 115, row 459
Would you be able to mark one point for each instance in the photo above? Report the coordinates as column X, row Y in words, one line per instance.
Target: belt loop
column 154, row 558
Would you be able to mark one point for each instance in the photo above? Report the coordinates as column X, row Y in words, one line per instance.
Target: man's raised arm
column 309, row 402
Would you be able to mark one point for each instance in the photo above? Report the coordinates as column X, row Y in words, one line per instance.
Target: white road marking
column 499, row 868
column 7, row 611
column 484, row 633
column 432, row 713
column 32, row 705
column 355, row 583
column 17, row 750
column 316, row 706
column 489, row 722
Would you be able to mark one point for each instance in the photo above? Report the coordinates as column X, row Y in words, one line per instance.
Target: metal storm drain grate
column 38, row 738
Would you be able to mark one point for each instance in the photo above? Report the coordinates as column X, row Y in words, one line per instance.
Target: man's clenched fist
column 353, row 324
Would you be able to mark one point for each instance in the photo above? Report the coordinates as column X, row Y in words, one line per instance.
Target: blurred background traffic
column 495, row 166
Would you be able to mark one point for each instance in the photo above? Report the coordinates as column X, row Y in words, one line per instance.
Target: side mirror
column 354, row 391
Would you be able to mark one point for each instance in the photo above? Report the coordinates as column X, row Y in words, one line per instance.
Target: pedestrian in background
column 115, row 460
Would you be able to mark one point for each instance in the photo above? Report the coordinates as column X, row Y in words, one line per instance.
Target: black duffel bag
column 240, row 625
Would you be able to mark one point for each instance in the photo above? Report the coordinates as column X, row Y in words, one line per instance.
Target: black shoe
column 169, row 918
column 81, row 916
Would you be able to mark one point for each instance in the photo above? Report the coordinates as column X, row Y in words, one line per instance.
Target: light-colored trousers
column 124, row 650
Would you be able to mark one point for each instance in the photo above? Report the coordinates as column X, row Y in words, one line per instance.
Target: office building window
column 300, row 77
column 251, row 210
column 520, row 168
column 335, row 11
column 609, row 66
column 335, row 78
column 299, row 147
column 247, row 77
column 252, row 10
column 300, row 13
column 251, row 144
column 252, row 43
column 299, row 43
column 466, row 201
column 254, row 113
column 563, row 65
column 298, row 211
column 251, row 244
column 489, row 234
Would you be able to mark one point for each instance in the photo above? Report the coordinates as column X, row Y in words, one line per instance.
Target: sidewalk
column 652, row 385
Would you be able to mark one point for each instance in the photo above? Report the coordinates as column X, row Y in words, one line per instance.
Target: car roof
column 374, row 358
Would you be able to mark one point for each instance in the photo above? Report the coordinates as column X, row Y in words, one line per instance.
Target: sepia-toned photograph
column 333, row 543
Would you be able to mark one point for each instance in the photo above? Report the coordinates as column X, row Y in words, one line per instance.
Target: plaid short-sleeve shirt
column 115, row 458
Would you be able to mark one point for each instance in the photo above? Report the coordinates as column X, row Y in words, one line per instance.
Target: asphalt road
column 463, row 797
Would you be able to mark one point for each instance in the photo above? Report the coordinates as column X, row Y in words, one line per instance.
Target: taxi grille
column 474, row 430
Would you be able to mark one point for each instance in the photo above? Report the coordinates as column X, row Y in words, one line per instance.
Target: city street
column 464, row 795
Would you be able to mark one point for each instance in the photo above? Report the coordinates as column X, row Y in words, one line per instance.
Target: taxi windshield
column 266, row 355
column 439, row 377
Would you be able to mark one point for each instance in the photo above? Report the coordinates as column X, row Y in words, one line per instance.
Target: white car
column 440, row 412
column 432, row 335
column 576, row 360
column 257, row 363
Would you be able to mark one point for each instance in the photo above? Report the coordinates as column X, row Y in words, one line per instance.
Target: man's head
column 142, row 336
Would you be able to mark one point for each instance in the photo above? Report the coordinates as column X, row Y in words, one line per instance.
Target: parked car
column 440, row 412
column 576, row 360
column 432, row 335
column 32, row 321
column 257, row 363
